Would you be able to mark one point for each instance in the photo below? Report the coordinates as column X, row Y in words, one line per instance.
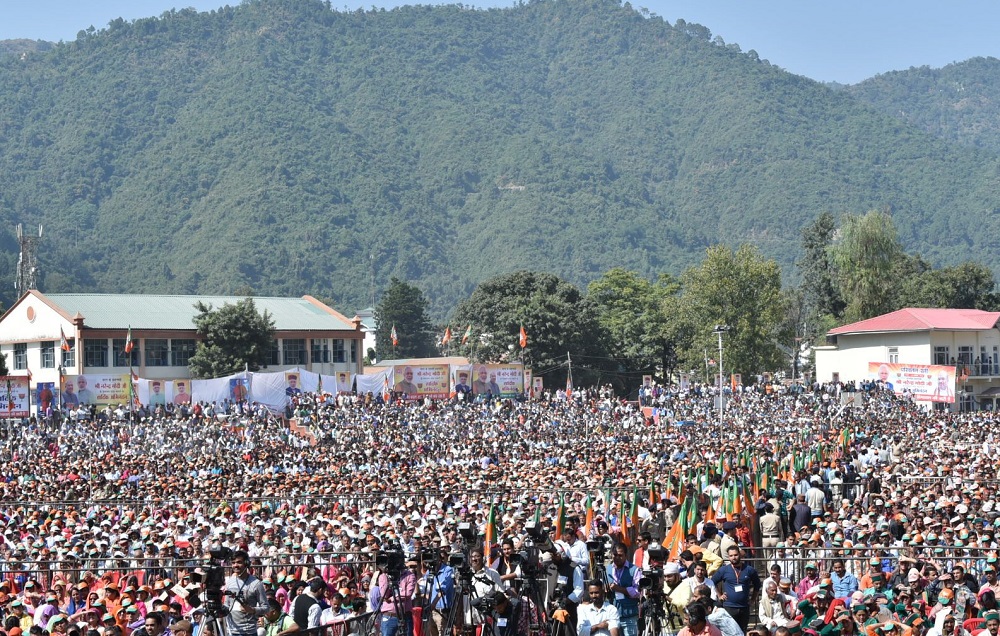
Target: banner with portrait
column 45, row 396
column 504, row 380
column 15, row 396
column 538, row 384
column 343, row 382
column 417, row 381
column 102, row 390
column 527, row 380
column 925, row 382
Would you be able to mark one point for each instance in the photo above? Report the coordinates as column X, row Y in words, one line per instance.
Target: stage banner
column 417, row 381
column 16, row 396
column 504, row 380
column 925, row 382
column 102, row 390
column 539, row 384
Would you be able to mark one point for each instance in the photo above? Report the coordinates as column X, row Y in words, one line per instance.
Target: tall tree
column 404, row 308
column 820, row 294
column 556, row 316
column 234, row 338
column 630, row 310
column 966, row 286
column 741, row 290
column 865, row 254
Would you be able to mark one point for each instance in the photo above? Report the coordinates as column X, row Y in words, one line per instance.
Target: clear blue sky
column 844, row 41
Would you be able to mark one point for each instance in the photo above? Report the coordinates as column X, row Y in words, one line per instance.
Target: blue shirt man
column 737, row 583
column 844, row 583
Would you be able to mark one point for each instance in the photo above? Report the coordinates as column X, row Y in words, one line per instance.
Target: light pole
column 719, row 330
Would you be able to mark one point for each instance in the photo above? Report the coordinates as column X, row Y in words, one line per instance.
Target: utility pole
column 719, row 330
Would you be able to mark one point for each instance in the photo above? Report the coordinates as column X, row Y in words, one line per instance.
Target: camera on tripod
column 391, row 561
column 652, row 580
column 596, row 548
column 215, row 582
column 538, row 535
column 485, row 604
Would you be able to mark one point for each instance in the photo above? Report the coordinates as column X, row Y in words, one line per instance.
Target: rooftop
column 923, row 319
column 140, row 311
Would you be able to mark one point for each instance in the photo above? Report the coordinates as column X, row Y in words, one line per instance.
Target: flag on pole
column 467, row 334
column 524, row 337
column 395, row 338
column 319, row 383
column 453, row 389
column 589, row 507
column 561, row 516
column 128, row 340
column 634, row 515
column 63, row 342
column 569, row 384
column 29, row 373
column 385, row 387
column 623, row 521
column 491, row 535
column 446, row 338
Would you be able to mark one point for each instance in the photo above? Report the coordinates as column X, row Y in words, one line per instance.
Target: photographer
column 507, row 618
column 507, row 566
column 392, row 594
column 566, row 591
column 245, row 597
column 623, row 582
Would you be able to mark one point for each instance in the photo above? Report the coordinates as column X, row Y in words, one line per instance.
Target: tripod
column 403, row 621
column 530, row 601
column 465, row 592
column 657, row 621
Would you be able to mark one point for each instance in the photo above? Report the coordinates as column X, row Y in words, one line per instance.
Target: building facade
column 967, row 339
column 308, row 335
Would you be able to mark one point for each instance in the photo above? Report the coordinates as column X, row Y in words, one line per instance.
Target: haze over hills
column 289, row 148
column 959, row 103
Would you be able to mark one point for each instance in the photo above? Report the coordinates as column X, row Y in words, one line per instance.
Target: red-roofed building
column 966, row 339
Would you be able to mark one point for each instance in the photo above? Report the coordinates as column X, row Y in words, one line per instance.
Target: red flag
column 524, row 337
column 392, row 334
column 63, row 342
column 29, row 373
column 569, row 384
column 128, row 340
column 447, row 336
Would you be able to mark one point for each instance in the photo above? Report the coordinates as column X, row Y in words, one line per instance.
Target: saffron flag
column 395, row 338
column 63, row 342
column 385, row 388
column 561, row 516
column 589, row 507
column 128, row 340
column 446, row 338
column 623, row 521
column 634, row 515
column 569, row 384
column 524, row 337
column 467, row 335
column 491, row 535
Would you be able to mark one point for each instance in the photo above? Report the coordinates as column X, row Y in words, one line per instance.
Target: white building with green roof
column 308, row 334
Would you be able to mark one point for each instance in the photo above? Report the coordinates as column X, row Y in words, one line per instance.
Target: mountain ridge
column 289, row 148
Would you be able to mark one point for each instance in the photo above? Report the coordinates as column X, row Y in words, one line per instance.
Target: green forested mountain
column 958, row 103
column 286, row 147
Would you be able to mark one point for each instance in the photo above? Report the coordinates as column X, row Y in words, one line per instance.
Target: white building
column 967, row 339
column 308, row 335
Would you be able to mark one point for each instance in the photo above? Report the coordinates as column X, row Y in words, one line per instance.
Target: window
column 893, row 355
column 121, row 358
column 294, row 350
column 338, row 351
column 941, row 355
column 965, row 355
column 48, row 351
column 157, row 352
column 21, row 355
column 273, row 354
column 69, row 357
column 95, row 353
column 181, row 350
column 320, row 351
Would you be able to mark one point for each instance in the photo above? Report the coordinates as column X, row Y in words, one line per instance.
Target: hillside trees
column 403, row 307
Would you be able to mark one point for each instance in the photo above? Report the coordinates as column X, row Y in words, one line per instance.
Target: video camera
column 539, row 537
column 652, row 580
column 485, row 604
column 215, row 582
column 597, row 550
column 391, row 561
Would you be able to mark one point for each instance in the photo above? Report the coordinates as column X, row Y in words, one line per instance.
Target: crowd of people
column 878, row 515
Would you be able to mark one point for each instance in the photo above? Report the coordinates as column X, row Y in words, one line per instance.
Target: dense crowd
column 870, row 503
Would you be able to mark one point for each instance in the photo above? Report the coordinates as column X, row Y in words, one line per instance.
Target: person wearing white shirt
column 597, row 618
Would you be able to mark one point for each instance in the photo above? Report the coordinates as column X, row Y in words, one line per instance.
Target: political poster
column 15, row 396
column 45, row 395
column 925, row 382
column 527, row 381
column 238, row 391
column 539, row 385
column 179, row 391
column 685, row 383
column 343, row 382
column 504, row 380
column 417, row 381
column 102, row 390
